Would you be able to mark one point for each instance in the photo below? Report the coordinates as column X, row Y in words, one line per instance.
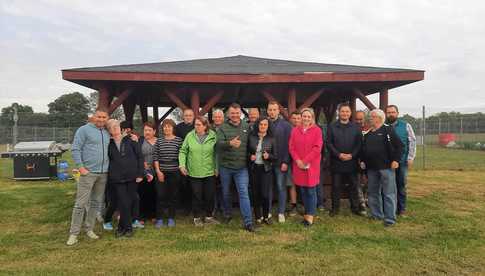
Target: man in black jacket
column 344, row 140
column 181, row 130
column 381, row 152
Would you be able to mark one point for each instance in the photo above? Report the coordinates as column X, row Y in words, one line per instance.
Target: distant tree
column 24, row 112
column 69, row 110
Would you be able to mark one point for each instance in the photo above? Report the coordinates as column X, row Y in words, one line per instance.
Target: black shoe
column 388, row 224
column 333, row 213
column 306, row 223
column 129, row 233
column 119, row 233
column 250, row 228
column 226, row 220
column 268, row 221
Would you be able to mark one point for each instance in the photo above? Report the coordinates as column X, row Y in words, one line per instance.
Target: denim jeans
column 281, row 187
column 241, row 179
column 309, row 197
column 401, row 181
column 382, row 194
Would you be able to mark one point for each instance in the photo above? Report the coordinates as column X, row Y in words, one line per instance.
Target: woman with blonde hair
column 305, row 147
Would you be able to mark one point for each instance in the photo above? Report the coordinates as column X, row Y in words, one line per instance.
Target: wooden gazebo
column 204, row 83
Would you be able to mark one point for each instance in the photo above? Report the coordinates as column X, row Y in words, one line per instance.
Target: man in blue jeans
column 281, row 131
column 381, row 152
column 406, row 134
column 231, row 145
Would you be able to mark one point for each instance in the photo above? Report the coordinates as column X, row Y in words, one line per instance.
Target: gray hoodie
column 90, row 148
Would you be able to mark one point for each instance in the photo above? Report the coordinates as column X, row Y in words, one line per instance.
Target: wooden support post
column 353, row 106
column 309, row 101
column 103, row 97
column 195, row 101
column 270, row 98
column 364, row 99
column 155, row 115
column 144, row 113
column 129, row 106
column 119, row 100
column 291, row 100
column 211, row 102
column 383, row 99
column 176, row 100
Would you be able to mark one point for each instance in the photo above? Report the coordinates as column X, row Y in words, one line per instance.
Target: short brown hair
column 344, row 105
column 168, row 122
column 235, row 106
column 273, row 103
column 204, row 122
column 102, row 109
column 150, row 125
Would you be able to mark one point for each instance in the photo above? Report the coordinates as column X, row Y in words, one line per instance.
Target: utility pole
column 15, row 128
column 423, row 140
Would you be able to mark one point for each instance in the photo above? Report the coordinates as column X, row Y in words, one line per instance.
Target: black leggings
column 262, row 182
column 125, row 194
column 203, row 195
column 167, row 194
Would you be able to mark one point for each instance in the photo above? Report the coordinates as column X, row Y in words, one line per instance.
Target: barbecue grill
column 34, row 160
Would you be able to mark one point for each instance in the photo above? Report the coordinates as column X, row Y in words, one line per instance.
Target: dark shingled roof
column 239, row 65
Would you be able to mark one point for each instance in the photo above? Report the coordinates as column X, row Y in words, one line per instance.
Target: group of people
column 196, row 165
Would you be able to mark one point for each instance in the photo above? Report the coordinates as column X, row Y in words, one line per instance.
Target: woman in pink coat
column 305, row 148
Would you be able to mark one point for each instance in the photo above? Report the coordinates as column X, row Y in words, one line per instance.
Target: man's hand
column 139, row 179
column 394, row 165
column 345, row 156
column 160, row 176
column 83, row 171
column 149, row 177
column 216, row 173
column 284, row 167
column 253, row 157
column 341, row 156
column 235, row 142
column 410, row 163
column 183, row 171
column 362, row 165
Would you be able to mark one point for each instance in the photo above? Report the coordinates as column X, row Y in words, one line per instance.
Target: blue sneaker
column 159, row 224
column 137, row 224
column 108, row 226
column 171, row 222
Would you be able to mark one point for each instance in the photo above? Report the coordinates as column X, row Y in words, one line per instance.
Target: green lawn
column 444, row 234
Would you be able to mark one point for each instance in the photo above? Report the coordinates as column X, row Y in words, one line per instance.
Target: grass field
column 444, row 234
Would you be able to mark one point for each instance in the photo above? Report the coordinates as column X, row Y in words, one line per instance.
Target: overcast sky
column 445, row 38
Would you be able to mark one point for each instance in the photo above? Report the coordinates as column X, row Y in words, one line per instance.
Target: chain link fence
column 454, row 141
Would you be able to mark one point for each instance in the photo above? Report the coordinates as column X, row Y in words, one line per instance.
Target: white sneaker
column 92, row 235
column 281, row 218
column 72, row 240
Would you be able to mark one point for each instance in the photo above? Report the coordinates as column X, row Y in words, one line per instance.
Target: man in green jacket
column 232, row 139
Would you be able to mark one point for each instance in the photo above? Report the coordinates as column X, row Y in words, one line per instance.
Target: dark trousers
column 338, row 183
column 111, row 202
column 401, row 181
column 167, row 194
column 147, row 195
column 218, row 195
column 202, row 195
column 125, row 194
column 185, row 193
column 261, row 190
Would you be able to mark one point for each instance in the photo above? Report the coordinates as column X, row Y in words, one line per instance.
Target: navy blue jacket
column 281, row 130
column 125, row 164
